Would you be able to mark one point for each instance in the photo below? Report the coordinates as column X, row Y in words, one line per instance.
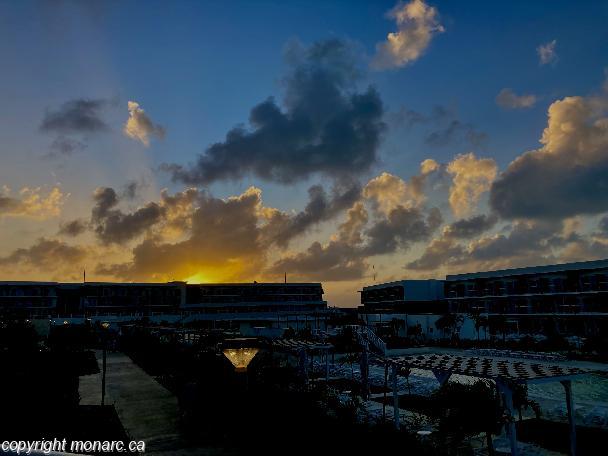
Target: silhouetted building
column 248, row 307
column 569, row 299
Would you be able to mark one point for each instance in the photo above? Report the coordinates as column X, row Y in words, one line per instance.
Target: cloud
column 525, row 243
column 320, row 207
column 226, row 242
column 140, row 127
column 334, row 261
column 387, row 191
column 456, row 131
column 402, row 227
column 324, row 127
column 72, row 228
column 546, row 53
column 114, row 226
column 45, row 255
column 471, row 177
column 439, row 252
column 32, row 202
column 339, row 259
column 417, row 23
column 508, row 99
column 344, row 256
column 64, row 146
column 76, row 116
column 470, row 227
column 603, row 225
column 447, row 128
column 568, row 174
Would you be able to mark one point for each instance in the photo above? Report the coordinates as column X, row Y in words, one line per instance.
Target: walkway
column 147, row 410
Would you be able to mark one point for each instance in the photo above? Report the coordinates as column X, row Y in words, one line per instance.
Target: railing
column 366, row 337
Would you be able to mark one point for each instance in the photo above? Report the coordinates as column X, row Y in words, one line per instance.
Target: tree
column 481, row 321
column 500, row 325
column 465, row 410
column 396, row 325
column 449, row 323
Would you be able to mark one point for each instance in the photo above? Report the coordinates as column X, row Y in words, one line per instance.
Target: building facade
column 252, row 308
column 404, row 307
column 569, row 299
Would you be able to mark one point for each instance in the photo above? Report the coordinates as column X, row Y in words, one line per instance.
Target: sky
column 346, row 142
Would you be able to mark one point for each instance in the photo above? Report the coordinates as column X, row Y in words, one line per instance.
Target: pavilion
column 305, row 349
column 504, row 372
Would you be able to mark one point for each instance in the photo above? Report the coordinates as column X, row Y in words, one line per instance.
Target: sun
column 199, row 277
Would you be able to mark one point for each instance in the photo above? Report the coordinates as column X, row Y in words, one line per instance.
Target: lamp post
column 105, row 325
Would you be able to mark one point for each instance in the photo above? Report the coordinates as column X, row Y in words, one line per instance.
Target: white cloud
column 140, row 127
column 567, row 175
column 508, row 99
column 31, row 202
column 417, row 23
column 387, row 191
column 471, row 177
column 546, row 53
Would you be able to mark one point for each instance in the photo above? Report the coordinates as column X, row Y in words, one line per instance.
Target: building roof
column 173, row 283
column 577, row 266
column 514, row 370
column 401, row 283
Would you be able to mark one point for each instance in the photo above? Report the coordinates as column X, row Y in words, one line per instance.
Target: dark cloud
column 470, row 227
column 45, row 254
column 340, row 259
column 444, row 125
column 455, row 132
column 131, row 190
column 63, row 146
column 523, row 244
column 542, row 186
column 345, row 256
column 400, row 228
column 524, row 240
column 324, row 126
column 333, row 262
column 75, row 116
column 568, row 175
column 225, row 236
column 409, row 118
column 320, row 207
column 439, row 252
column 603, row 225
column 114, row 226
column 73, row 228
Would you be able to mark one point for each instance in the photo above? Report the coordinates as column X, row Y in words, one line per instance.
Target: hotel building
column 569, row 299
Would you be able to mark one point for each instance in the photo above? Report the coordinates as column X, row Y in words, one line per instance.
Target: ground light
column 240, row 357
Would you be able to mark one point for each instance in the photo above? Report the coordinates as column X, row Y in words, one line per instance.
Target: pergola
column 302, row 348
column 504, row 372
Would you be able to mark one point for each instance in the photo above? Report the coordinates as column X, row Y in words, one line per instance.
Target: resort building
column 251, row 308
column 404, row 307
column 568, row 299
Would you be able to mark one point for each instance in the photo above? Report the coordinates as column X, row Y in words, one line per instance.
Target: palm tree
column 449, row 322
column 500, row 323
column 481, row 321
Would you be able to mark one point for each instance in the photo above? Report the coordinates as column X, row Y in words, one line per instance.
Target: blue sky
column 197, row 68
